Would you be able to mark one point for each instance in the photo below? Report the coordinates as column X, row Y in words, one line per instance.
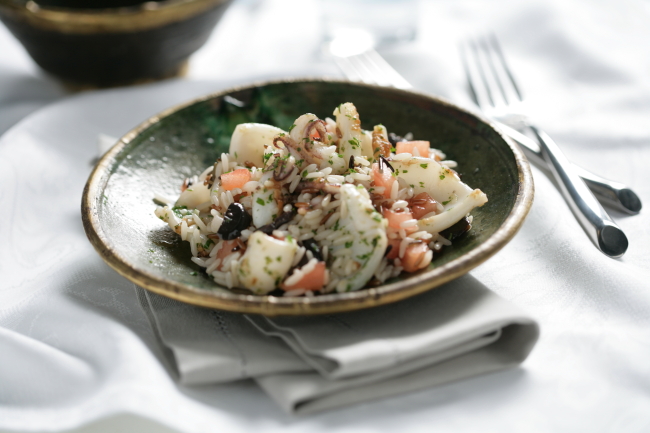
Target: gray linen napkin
column 211, row 346
column 307, row 364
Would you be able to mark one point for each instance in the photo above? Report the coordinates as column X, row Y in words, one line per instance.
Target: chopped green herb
column 260, row 201
column 424, row 165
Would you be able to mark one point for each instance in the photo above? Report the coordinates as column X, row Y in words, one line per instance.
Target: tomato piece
column 395, row 219
column 313, row 280
column 408, row 146
column 422, row 204
column 235, row 179
column 394, row 250
column 384, row 179
column 228, row 248
column 414, row 257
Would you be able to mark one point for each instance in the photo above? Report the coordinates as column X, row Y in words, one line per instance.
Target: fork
column 371, row 68
column 498, row 95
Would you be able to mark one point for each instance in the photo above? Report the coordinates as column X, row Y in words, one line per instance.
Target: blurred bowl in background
column 104, row 43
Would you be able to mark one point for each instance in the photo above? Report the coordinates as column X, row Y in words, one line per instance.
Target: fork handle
column 600, row 228
column 613, row 194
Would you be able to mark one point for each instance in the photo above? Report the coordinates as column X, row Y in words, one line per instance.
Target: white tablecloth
column 584, row 67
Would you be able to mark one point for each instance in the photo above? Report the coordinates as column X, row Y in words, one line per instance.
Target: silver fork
column 497, row 94
column 371, row 68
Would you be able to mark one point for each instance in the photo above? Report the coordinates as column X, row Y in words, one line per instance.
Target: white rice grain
column 184, row 229
column 401, row 156
column 294, row 184
column 393, row 191
column 199, row 261
column 408, row 223
column 250, row 186
column 403, row 246
column 294, row 293
column 200, row 223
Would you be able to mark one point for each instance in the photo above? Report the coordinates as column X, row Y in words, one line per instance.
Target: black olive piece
column 457, row 229
column 267, row 229
column 303, row 261
column 235, row 220
column 394, row 138
column 385, row 161
column 312, row 246
column 284, row 218
column 351, row 162
column 276, row 292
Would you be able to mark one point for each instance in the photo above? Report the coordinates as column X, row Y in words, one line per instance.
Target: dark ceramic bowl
column 102, row 43
column 118, row 210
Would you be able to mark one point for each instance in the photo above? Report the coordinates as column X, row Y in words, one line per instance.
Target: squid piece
column 349, row 126
column 444, row 186
column 304, row 142
column 194, row 196
column 266, row 262
column 380, row 144
column 309, row 141
column 266, row 206
column 248, row 141
column 366, row 229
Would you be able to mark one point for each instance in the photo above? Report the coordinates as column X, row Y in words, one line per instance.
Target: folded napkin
column 313, row 363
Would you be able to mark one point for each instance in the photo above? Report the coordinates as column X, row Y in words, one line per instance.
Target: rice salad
column 323, row 207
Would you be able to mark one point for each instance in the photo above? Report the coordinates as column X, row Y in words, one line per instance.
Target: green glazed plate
column 155, row 157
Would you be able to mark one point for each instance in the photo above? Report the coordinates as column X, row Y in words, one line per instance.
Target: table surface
column 584, row 64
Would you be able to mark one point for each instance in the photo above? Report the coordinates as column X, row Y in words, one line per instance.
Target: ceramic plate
column 155, row 157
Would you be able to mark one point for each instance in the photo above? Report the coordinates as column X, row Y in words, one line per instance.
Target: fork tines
column 484, row 63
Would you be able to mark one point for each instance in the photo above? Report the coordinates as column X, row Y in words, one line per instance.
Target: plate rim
column 324, row 304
